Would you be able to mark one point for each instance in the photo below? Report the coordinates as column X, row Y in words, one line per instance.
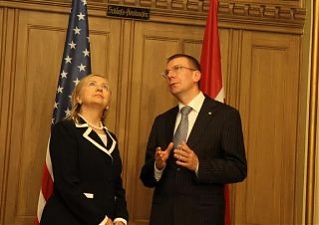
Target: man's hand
column 162, row 156
column 186, row 157
column 109, row 222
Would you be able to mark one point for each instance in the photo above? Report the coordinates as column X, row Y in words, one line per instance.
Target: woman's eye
column 106, row 87
column 91, row 83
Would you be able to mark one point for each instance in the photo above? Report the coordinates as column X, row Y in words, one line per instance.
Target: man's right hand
column 109, row 222
column 161, row 156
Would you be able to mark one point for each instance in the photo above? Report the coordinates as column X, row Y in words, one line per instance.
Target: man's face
column 181, row 76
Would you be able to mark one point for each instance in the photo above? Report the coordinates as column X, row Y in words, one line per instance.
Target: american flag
column 211, row 81
column 76, row 63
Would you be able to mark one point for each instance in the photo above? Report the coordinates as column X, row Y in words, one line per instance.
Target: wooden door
column 268, row 99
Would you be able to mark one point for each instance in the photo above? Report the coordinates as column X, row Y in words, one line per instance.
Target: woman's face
column 95, row 92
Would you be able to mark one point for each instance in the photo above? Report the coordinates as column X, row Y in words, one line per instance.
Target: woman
column 86, row 162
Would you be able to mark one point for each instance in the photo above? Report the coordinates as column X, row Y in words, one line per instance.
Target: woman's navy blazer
column 87, row 177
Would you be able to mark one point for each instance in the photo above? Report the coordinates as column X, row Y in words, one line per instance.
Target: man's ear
column 197, row 75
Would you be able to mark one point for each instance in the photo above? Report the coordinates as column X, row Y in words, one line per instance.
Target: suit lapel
column 94, row 139
column 170, row 125
column 204, row 118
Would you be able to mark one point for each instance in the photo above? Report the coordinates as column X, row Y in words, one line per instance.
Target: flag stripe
column 47, row 178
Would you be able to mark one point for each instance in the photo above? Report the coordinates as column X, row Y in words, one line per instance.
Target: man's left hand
column 186, row 157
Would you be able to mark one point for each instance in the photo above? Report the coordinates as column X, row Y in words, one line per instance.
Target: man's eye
column 177, row 68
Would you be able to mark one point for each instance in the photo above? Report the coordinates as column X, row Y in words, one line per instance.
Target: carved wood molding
column 274, row 17
column 249, row 16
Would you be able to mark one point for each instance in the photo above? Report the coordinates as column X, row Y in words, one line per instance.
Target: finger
column 181, row 158
column 169, row 147
column 158, row 149
column 183, row 164
column 187, row 165
column 181, row 152
column 185, row 147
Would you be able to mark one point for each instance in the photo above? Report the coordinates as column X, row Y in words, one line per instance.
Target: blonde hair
column 76, row 106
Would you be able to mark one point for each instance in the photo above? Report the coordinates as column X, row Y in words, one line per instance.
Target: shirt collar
column 196, row 103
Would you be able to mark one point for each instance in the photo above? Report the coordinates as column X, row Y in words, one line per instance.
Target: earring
column 80, row 102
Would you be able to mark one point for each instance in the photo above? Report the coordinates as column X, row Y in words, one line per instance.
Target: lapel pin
column 210, row 113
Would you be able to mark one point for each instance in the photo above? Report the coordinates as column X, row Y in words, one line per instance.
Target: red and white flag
column 211, row 81
column 76, row 63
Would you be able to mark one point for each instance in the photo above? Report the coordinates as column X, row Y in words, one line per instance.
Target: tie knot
column 186, row 110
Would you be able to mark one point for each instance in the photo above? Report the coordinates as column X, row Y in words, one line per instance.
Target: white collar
column 196, row 102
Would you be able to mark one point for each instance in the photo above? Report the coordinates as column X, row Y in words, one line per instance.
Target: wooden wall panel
column 225, row 53
column 2, row 106
column 150, row 96
column 269, row 105
column 7, row 70
column 312, row 216
column 39, row 50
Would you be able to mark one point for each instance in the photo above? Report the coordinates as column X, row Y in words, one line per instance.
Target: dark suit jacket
column 181, row 197
column 87, row 177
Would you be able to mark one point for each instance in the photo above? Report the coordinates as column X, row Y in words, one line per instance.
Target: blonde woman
column 86, row 162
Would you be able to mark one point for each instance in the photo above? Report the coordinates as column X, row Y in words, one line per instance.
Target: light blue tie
column 181, row 132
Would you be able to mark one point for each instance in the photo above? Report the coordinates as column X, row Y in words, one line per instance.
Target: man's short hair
column 194, row 62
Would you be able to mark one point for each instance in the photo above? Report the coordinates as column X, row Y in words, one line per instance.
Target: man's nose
column 171, row 73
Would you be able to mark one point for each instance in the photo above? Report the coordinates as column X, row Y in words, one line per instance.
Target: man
column 189, row 174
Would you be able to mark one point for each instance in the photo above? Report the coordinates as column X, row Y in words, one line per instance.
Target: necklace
column 100, row 127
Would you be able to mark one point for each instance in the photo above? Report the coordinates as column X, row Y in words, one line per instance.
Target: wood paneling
column 7, row 70
column 269, row 106
column 312, row 196
column 40, row 44
column 2, row 113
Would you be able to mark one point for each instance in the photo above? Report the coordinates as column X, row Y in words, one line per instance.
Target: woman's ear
column 79, row 101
